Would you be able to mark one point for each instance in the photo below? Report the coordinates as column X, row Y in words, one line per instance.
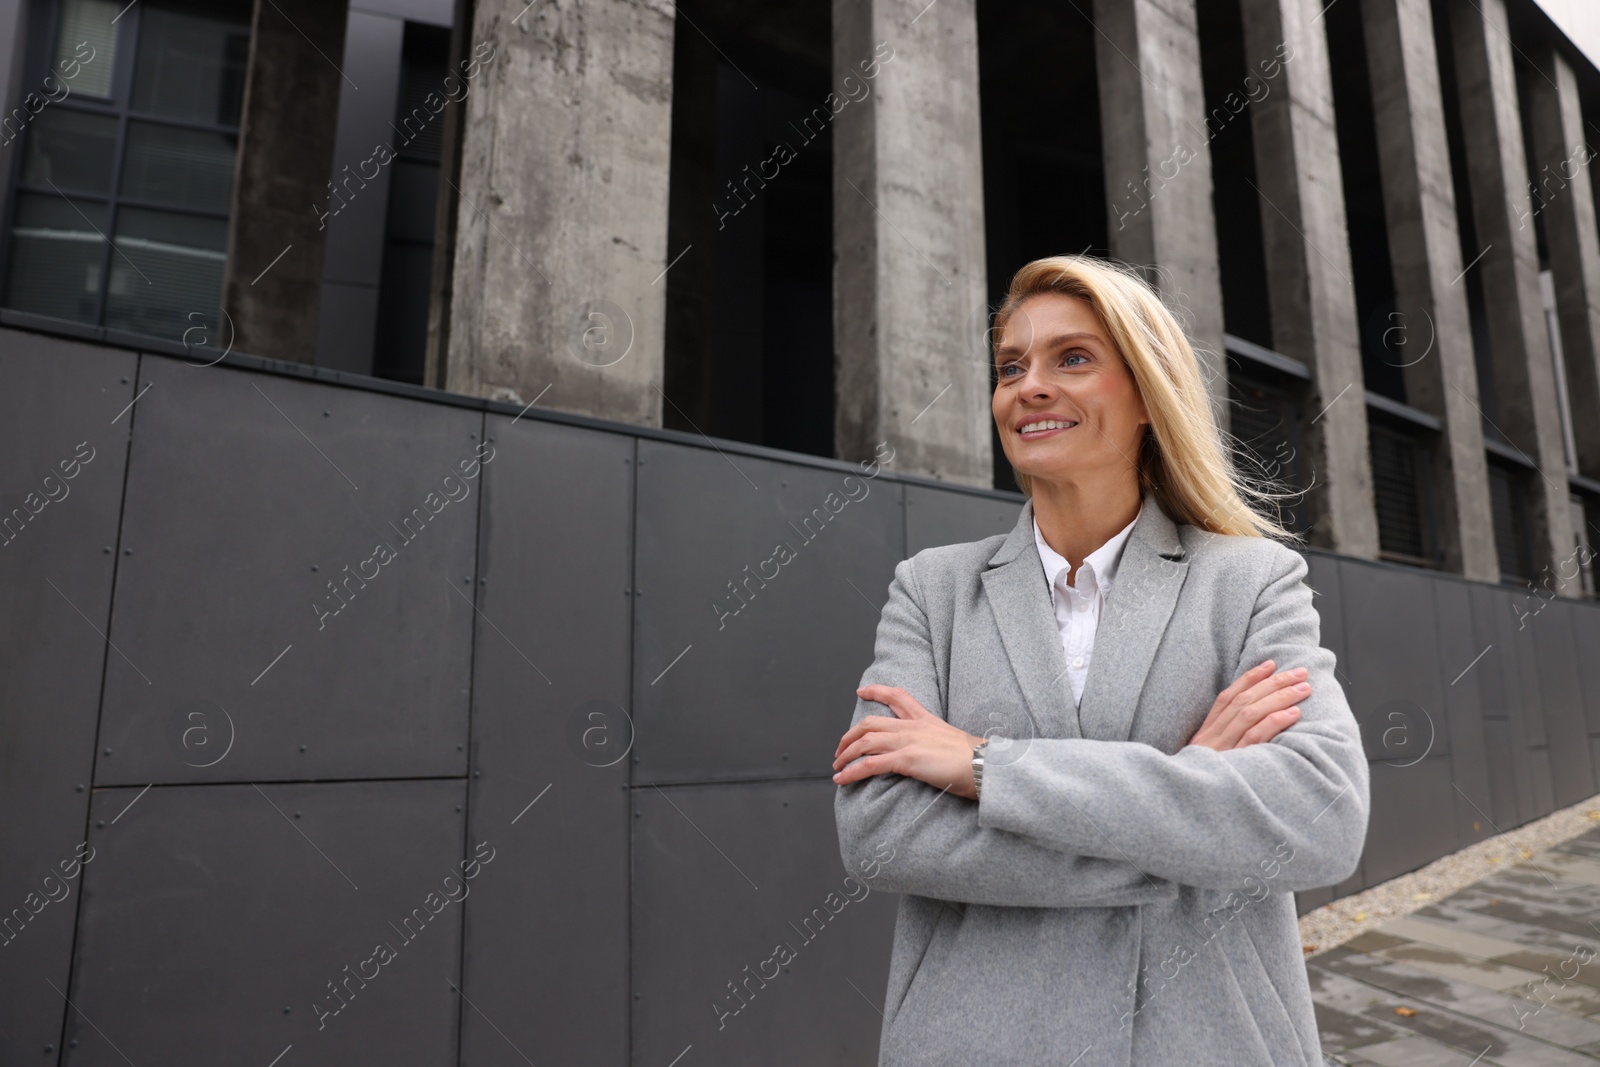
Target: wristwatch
column 977, row 768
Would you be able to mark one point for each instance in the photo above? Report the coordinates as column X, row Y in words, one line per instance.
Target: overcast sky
column 1581, row 21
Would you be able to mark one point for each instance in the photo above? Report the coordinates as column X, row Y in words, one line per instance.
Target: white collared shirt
column 1078, row 603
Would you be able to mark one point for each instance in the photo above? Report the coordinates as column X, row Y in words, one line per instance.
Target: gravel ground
column 1337, row 923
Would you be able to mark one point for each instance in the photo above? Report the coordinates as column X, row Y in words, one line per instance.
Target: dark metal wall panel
column 1507, row 694
column 759, row 589
column 1311, row 899
column 1523, row 619
column 550, row 750
column 58, row 533
column 1413, row 818
column 1391, row 629
column 943, row 517
column 1561, row 693
column 723, row 876
column 218, row 922
column 1586, row 633
column 1497, row 748
column 248, row 494
column 1462, row 713
column 1544, row 794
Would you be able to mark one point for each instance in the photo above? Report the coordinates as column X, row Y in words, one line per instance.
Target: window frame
column 45, row 26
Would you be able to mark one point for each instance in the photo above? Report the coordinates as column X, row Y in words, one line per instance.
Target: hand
column 1254, row 709
column 916, row 743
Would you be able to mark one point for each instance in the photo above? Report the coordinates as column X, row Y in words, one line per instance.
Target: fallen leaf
column 1421, row 896
column 1359, row 916
column 1493, row 901
column 1493, row 859
column 1407, row 1012
column 1308, row 948
column 1527, row 853
column 1595, row 815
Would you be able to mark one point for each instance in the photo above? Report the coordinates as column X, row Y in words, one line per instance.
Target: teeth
column 1048, row 424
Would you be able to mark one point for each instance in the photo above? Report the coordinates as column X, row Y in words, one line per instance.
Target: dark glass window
column 1508, row 501
column 1402, row 490
column 406, row 285
column 125, row 179
column 1264, row 422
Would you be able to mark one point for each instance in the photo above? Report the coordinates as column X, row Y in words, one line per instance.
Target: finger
column 902, row 703
column 1270, row 727
column 888, row 737
column 1265, row 686
column 869, row 722
column 869, row 765
column 1228, row 702
column 860, row 769
column 1228, row 695
column 1252, row 714
column 872, row 744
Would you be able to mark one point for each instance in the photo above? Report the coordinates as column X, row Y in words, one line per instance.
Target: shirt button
column 1082, row 606
column 1077, row 661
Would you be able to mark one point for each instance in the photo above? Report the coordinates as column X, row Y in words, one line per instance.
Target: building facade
column 787, row 224
column 400, row 403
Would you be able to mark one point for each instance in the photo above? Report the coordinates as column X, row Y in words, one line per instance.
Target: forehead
column 1046, row 319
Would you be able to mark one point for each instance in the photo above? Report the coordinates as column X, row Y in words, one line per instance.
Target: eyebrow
column 1050, row 342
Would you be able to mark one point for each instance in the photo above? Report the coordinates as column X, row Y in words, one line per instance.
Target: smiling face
column 1065, row 401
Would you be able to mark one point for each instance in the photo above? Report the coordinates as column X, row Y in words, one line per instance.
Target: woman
column 1110, row 878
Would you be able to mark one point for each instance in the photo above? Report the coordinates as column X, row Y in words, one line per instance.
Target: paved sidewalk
column 1503, row 972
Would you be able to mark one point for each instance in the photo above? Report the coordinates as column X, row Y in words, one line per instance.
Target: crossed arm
column 1081, row 823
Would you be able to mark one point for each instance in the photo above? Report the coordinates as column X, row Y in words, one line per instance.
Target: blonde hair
column 1185, row 460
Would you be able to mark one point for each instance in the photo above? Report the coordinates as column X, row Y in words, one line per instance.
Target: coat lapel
column 1024, row 610
column 1132, row 622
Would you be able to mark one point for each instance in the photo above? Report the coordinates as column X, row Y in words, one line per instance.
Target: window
column 1264, row 420
column 1508, row 501
column 1583, row 506
column 1402, row 491
column 406, row 286
column 124, row 180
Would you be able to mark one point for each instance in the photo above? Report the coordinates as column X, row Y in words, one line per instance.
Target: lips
column 1040, row 428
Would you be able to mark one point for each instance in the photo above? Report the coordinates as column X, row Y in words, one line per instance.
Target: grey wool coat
column 1118, row 896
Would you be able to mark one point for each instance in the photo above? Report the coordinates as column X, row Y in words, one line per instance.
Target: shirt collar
column 1102, row 562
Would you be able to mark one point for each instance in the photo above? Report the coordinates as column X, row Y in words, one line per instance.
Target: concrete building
column 669, row 283
column 786, row 225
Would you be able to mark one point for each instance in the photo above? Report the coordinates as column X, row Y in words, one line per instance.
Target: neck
column 1075, row 518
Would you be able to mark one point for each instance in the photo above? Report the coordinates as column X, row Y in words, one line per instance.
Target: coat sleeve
column 1293, row 810
column 922, row 840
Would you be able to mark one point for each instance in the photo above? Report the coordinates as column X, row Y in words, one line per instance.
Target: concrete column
column 1562, row 201
column 1307, row 248
column 909, row 271
column 1519, row 341
column 272, row 286
column 561, row 229
column 1425, row 250
column 1158, row 164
